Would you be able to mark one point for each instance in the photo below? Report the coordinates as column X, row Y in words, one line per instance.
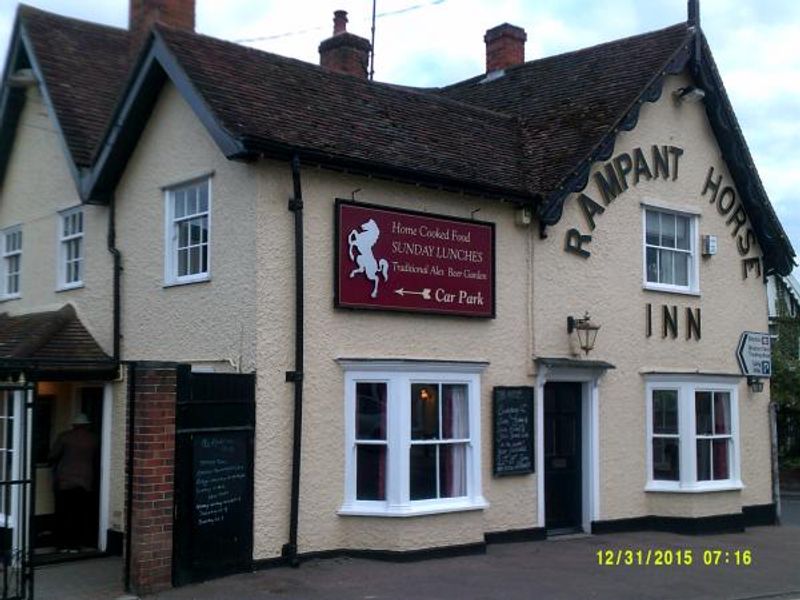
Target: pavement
column 565, row 567
column 552, row 569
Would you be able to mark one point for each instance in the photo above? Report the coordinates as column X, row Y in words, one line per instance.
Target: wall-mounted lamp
column 585, row 329
column 756, row 384
column 690, row 93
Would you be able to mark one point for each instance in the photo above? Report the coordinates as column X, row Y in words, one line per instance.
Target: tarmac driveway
column 556, row 568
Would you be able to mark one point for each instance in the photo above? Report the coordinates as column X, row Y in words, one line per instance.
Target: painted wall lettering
column 669, row 322
column 614, row 178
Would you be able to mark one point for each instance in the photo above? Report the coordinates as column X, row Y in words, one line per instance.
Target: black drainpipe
column 129, row 474
column 296, row 376
column 111, row 240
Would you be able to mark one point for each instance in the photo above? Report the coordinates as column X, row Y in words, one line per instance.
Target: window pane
column 681, row 269
column 702, row 413
column 370, row 472
column 204, row 257
column 183, row 234
column 665, row 267
column 668, row 230
column 652, row 265
column 204, row 225
column 666, row 461
column 180, row 204
column 703, row 460
column 455, row 412
column 194, row 260
column 682, row 224
column 76, row 270
column 651, row 228
column 422, row 471
column 79, row 214
column 424, row 411
column 195, row 231
column 721, row 454
column 453, row 470
column 183, row 262
column 191, row 201
column 722, row 412
column 202, row 198
column 665, row 411
column 371, row 411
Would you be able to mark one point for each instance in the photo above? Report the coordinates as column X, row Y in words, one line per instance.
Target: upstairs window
column 670, row 253
column 71, row 249
column 11, row 239
column 188, row 226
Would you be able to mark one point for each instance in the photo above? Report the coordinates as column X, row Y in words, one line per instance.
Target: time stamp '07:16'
column 667, row 557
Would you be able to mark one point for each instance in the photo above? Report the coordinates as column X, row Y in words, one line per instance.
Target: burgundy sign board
column 393, row 259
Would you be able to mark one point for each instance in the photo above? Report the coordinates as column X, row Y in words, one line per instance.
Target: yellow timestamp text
column 669, row 557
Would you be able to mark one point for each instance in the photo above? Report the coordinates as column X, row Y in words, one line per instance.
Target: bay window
column 692, row 428
column 412, row 437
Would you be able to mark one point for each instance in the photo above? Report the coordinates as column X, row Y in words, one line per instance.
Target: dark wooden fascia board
column 155, row 66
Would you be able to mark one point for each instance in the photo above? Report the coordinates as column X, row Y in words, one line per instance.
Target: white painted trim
column 590, row 438
column 398, row 435
column 693, row 289
column 398, row 365
column 105, row 467
column 171, row 279
column 686, row 386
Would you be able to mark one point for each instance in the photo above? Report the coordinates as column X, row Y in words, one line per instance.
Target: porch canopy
column 53, row 346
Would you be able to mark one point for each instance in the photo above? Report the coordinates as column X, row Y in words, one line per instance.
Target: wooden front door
column 562, row 456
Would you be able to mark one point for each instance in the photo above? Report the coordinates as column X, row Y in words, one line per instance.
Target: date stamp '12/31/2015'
column 670, row 557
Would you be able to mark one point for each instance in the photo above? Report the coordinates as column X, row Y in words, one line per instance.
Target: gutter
column 289, row 550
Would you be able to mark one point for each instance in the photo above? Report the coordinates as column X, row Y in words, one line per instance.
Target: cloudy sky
column 756, row 44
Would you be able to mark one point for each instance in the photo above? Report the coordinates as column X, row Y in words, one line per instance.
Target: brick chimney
column 344, row 52
column 505, row 47
column 142, row 14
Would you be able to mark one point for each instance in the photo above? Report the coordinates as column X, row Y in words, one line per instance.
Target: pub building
column 306, row 314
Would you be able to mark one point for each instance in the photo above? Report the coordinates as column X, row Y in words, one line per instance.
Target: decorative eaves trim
column 553, row 206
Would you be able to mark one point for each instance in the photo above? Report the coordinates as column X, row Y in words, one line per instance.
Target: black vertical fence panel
column 215, row 425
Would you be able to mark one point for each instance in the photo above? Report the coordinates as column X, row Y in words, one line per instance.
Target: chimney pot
column 505, row 47
column 339, row 22
column 344, row 52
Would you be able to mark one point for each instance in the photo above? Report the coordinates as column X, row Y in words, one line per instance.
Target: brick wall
column 153, row 478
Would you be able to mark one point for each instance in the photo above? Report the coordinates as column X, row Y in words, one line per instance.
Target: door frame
column 590, row 438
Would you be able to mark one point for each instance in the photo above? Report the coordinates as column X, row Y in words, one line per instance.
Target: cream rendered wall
column 208, row 322
column 331, row 334
column 38, row 184
column 609, row 285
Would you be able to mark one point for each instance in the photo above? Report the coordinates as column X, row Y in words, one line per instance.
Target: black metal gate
column 17, row 490
column 213, row 534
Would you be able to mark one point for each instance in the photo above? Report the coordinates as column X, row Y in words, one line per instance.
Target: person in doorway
column 73, row 456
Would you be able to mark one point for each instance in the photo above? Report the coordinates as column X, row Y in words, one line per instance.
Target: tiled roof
column 50, row 336
column 84, row 66
column 566, row 103
column 275, row 100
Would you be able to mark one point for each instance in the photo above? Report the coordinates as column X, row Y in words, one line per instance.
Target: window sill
column 651, row 287
column 413, row 509
column 729, row 485
column 69, row 287
column 187, row 281
column 10, row 297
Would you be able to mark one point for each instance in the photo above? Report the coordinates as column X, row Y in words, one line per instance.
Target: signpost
column 401, row 260
column 753, row 353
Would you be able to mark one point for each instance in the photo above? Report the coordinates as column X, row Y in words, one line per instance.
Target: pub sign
column 402, row 260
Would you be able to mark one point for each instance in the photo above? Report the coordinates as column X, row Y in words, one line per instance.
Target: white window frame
column 4, row 273
column 63, row 241
column 693, row 287
column 171, row 276
column 687, row 436
column 399, row 376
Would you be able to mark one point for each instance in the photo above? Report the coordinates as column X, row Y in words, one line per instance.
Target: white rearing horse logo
column 363, row 241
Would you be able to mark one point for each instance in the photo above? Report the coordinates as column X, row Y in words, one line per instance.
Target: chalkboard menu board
column 513, row 422
column 220, row 479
